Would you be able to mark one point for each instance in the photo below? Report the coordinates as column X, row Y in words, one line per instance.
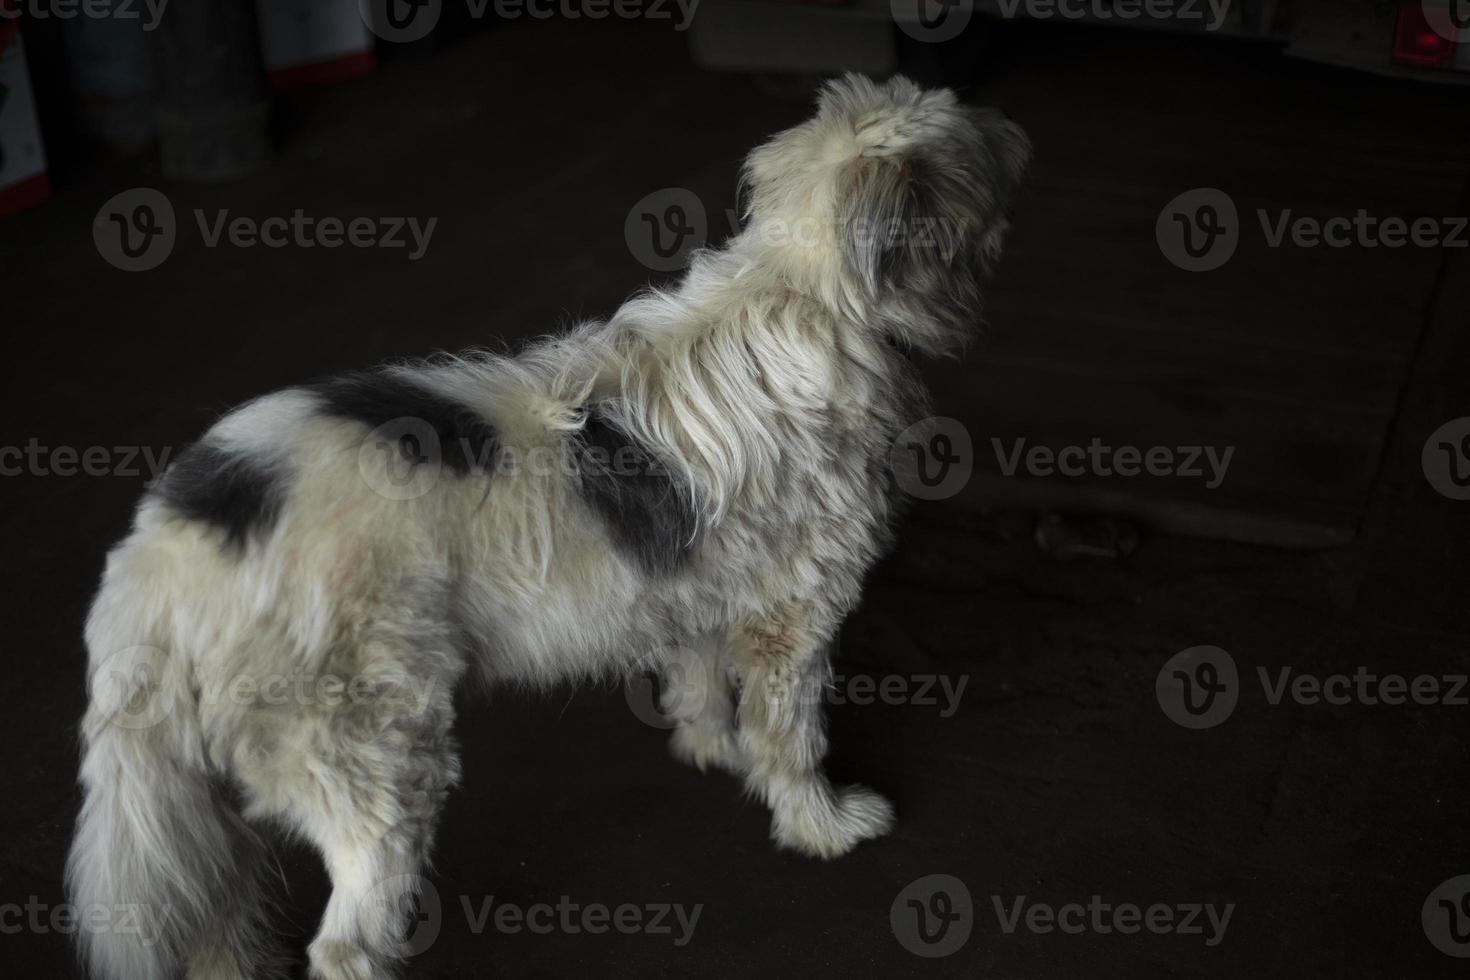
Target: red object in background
column 26, row 194
column 313, row 42
column 322, row 72
column 1416, row 42
column 23, row 180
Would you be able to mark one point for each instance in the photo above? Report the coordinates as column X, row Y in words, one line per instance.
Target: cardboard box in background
column 311, row 42
column 23, row 180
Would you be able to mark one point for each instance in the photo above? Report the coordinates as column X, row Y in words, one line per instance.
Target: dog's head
column 892, row 202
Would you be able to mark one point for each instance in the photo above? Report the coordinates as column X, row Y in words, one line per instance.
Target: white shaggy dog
column 700, row 482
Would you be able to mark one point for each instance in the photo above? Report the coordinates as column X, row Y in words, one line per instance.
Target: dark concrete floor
column 1058, row 778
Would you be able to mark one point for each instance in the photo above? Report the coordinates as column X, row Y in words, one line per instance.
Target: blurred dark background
column 569, row 153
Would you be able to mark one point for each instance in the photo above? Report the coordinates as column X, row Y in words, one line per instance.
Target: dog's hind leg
column 366, row 932
column 698, row 695
column 362, row 773
column 782, row 663
column 235, row 944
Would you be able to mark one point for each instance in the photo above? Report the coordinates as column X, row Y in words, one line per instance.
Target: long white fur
column 769, row 383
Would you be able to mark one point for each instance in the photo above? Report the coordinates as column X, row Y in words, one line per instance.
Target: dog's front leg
column 697, row 694
column 781, row 659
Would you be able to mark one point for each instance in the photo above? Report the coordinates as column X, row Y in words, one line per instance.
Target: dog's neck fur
column 750, row 344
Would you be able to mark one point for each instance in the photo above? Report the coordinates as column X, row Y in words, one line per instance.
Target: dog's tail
column 161, row 870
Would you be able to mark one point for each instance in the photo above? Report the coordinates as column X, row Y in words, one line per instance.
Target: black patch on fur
column 645, row 506
column 234, row 492
column 467, row 443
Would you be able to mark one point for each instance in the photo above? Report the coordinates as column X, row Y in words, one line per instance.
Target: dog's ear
column 931, row 205
column 893, row 225
column 1005, row 155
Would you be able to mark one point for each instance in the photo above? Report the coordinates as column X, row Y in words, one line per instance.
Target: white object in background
column 23, row 180
column 309, row 42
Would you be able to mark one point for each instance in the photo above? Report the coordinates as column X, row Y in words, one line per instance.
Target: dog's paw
column 827, row 825
column 702, row 748
column 344, row 961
